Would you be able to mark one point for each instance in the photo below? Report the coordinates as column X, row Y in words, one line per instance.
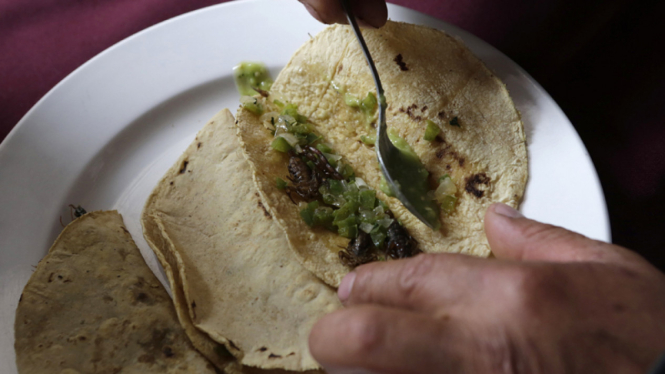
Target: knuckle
column 364, row 332
column 412, row 273
column 536, row 289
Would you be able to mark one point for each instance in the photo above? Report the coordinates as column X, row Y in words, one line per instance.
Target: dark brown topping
column 306, row 182
column 400, row 62
column 474, row 182
column 400, row 243
column 321, row 162
column 183, row 168
column 358, row 251
column 441, row 114
column 261, row 92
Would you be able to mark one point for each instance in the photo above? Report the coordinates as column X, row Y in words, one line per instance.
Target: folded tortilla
column 238, row 282
column 93, row 305
column 427, row 75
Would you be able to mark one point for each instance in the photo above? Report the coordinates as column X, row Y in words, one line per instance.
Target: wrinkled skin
column 552, row 302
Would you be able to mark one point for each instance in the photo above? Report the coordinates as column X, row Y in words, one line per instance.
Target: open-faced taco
column 444, row 107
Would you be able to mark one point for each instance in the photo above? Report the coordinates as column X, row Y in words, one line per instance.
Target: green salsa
column 407, row 167
column 251, row 75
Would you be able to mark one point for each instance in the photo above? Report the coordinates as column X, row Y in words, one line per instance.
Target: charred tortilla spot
column 50, row 278
column 183, row 168
column 474, row 182
column 265, row 211
column 441, row 114
column 461, row 161
column 423, row 109
column 272, row 355
column 263, row 349
column 142, row 297
column 168, row 352
column 400, row 62
column 410, row 111
column 340, row 67
column 439, row 139
column 198, row 145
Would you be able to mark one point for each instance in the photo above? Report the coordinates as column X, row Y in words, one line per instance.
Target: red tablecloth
column 598, row 58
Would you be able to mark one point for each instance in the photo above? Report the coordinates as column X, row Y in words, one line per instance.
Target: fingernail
column 364, row 25
column 506, row 211
column 311, row 10
column 345, row 287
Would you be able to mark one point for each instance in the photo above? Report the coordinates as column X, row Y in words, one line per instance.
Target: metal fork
column 393, row 162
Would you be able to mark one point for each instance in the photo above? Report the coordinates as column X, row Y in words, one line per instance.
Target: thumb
column 512, row 236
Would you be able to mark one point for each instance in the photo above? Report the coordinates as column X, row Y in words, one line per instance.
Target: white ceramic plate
column 104, row 136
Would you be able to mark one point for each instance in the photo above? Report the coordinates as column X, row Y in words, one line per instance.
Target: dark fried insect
column 306, row 182
column 358, row 251
column 321, row 162
column 400, row 243
column 78, row 210
column 74, row 212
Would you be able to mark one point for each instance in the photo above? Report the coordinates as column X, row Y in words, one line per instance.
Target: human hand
column 553, row 302
column 373, row 13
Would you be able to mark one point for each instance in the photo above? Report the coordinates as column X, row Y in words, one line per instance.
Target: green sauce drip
column 251, row 75
column 407, row 167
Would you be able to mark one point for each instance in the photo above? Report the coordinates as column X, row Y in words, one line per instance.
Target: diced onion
column 385, row 222
column 298, row 148
column 290, row 138
column 360, row 182
column 446, row 188
column 247, row 100
column 330, row 156
column 366, row 227
column 266, row 119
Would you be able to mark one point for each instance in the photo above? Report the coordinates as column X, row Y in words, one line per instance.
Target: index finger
column 424, row 283
column 372, row 13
